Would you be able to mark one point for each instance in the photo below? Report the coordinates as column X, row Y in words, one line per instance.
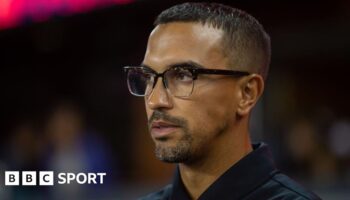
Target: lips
column 162, row 129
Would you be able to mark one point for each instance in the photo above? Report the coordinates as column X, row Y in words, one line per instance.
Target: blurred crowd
column 60, row 142
column 318, row 153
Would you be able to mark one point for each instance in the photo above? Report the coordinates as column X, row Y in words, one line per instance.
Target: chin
column 173, row 153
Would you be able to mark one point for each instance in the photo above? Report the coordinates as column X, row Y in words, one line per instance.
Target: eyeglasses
column 178, row 80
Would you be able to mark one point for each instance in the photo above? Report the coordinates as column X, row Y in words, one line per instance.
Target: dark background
column 77, row 61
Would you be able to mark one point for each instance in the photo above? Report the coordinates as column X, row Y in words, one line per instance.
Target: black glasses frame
column 195, row 71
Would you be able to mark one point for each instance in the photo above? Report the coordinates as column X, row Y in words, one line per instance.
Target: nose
column 159, row 97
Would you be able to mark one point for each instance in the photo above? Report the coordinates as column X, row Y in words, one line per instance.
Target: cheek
column 212, row 112
column 147, row 109
column 218, row 100
column 148, row 112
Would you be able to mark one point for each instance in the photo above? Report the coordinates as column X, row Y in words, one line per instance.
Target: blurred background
column 65, row 105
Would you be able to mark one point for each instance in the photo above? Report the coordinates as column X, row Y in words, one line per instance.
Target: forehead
column 178, row 42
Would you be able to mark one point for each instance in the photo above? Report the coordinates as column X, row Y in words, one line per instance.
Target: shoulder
column 162, row 194
column 280, row 186
column 293, row 188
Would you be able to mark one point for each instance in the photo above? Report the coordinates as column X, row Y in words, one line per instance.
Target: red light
column 13, row 12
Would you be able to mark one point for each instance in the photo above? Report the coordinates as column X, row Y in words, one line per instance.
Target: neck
column 229, row 148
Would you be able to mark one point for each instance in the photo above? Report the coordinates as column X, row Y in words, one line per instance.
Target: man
column 202, row 74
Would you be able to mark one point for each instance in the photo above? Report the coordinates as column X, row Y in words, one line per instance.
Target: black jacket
column 253, row 177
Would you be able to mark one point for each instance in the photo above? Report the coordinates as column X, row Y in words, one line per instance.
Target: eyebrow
column 146, row 66
column 191, row 64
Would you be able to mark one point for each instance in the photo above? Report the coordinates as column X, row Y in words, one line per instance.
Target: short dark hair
column 245, row 40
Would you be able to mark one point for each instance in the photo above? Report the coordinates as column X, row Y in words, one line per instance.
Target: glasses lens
column 179, row 81
column 140, row 81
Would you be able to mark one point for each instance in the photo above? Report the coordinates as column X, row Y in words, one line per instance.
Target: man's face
column 185, row 129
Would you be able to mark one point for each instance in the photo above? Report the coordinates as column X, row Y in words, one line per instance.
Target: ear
column 251, row 89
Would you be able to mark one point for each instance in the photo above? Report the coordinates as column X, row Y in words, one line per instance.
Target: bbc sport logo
column 47, row 178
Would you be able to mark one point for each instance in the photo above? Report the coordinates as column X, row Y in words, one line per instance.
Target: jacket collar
column 239, row 180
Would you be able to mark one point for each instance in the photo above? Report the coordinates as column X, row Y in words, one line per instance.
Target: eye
column 183, row 75
column 145, row 75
